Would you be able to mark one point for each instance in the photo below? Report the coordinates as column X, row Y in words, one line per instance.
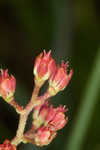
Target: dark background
column 71, row 29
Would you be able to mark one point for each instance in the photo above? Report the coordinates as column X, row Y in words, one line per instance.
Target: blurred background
column 71, row 29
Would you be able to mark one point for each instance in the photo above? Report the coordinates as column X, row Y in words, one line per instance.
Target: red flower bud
column 44, row 66
column 58, row 122
column 7, row 85
column 44, row 136
column 7, row 146
column 56, row 119
column 43, row 111
column 51, row 114
column 60, row 79
column 39, row 115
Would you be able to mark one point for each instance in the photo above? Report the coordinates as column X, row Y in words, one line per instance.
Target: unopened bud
column 60, row 79
column 44, row 67
column 7, row 85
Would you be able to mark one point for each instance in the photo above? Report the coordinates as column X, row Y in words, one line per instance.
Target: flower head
column 7, row 85
column 7, row 146
column 44, row 67
column 60, row 79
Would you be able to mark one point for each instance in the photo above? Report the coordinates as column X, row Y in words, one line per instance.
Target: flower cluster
column 47, row 120
column 46, row 125
column 46, row 69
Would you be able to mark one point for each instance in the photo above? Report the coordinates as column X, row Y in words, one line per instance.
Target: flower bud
column 44, row 136
column 7, row 146
column 60, row 79
column 40, row 137
column 58, row 122
column 56, row 119
column 39, row 115
column 7, row 85
column 44, row 67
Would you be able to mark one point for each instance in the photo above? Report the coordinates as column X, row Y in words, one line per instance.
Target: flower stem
column 18, row 108
column 21, row 127
column 23, row 117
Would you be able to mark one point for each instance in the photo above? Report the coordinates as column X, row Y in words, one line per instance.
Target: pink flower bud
column 39, row 115
column 40, row 137
column 60, row 79
column 44, row 66
column 46, row 122
column 7, row 146
column 51, row 114
column 43, row 111
column 44, row 136
column 7, row 85
column 58, row 122
column 56, row 118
